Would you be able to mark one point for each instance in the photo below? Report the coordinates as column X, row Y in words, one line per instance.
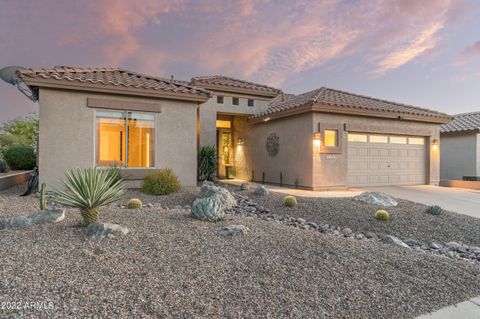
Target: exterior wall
column 459, row 155
column 67, row 134
column 294, row 159
column 209, row 110
column 330, row 170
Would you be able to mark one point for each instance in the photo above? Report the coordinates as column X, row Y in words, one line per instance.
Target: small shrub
column 434, row 210
column 3, row 166
column 162, row 182
column 290, row 201
column 382, row 215
column 19, row 156
column 207, row 163
column 134, row 203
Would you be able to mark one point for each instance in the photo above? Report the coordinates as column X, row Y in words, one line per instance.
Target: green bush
column 134, row 203
column 3, row 166
column 207, row 163
column 290, row 201
column 382, row 215
column 162, row 182
column 434, row 210
column 19, row 156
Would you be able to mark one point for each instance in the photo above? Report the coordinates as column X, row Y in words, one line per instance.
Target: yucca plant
column 88, row 189
column 207, row 163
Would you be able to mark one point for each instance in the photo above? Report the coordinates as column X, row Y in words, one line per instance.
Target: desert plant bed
column 408, row 219
column 172, row 265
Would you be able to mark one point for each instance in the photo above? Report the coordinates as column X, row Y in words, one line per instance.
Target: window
column 125, row 139
column 224, row 124
column 398, row 140
column 235, row 101
column 378, row 139
column 251, row 102
column 416, row 140
column 357, row 138
column 330, row 138
column 220, row 99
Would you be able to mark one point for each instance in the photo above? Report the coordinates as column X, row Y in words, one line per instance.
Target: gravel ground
column 172, row 266
column 409, row 218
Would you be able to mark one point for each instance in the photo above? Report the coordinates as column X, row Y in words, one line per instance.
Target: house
column 322, row 139
column 460, row 149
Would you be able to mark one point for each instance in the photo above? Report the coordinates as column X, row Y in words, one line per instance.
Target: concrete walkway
column 463, row 201
column 469, row 309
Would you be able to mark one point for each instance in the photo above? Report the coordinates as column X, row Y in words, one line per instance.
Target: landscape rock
column 244, row 187
column 301, row 220
column 371, row 235
column 346, row 232
column 359, row 236
column 411, row 242
column 226, row 198
column 376, row 198
column 99, row 231
column 233, row 230
column 46, row 216
column 435, row 246
column 394, row 241
column 261, row 191
column 453, row 245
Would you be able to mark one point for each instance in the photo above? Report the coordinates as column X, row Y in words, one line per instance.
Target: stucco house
column 460, row 149
column 322, row 139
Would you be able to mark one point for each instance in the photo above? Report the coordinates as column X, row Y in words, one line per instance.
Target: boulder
column 376, row 198
column 46, row 216
column 453, row 245
column 233, row 230
column 244, row 187
column 346, row 232
column 226, row 198
column 394, row 241
column 99, row 231
column 261, row 191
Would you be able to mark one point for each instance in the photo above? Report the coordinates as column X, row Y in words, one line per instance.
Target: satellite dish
column 9, row 75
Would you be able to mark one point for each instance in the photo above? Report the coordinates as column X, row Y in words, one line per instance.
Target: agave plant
column 88, row 189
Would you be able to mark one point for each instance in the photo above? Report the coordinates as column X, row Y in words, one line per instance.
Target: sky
column 419, row 52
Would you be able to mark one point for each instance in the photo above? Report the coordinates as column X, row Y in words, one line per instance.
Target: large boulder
column 99, row 231
column 46, row 216
column 226, row 198
column 261, row 191
column 376, row 198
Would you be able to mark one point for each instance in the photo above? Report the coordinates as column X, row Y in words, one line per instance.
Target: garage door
column 375, row 160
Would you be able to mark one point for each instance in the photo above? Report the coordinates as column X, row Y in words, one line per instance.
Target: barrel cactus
column 208, row 208
column 134, row 203
column 290, row 201
column 434, row 210
column 382, row 215
column 43, row 196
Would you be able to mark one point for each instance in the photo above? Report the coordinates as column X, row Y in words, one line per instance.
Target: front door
column 224, row 151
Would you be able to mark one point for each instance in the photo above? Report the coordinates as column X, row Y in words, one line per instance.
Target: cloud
column 468, row 53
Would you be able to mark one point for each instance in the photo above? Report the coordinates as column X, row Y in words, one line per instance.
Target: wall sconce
column 240, row 141
column 435, row 144
column 317, row 139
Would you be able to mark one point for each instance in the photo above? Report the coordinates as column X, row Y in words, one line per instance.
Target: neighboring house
column 460, row 148
column 323, row 139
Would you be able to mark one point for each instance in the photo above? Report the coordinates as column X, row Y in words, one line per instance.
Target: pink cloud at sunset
column 281, row 43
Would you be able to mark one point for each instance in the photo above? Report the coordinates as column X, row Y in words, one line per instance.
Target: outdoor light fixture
column 435, row 144
column 240, row 141
column 317, row 139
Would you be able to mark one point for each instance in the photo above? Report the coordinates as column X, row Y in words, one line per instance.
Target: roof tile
column 462, row 123
column 235, row 83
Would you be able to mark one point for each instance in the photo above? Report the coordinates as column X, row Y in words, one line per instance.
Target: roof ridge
column 216, row 76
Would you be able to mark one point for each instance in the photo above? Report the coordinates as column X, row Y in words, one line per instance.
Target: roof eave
column 112, row 89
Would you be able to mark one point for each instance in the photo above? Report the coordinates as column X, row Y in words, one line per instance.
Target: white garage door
column 375, row 160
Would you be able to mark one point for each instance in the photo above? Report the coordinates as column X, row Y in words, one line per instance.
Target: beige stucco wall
column 459, row 155
column 67, row 134
column 210, row 109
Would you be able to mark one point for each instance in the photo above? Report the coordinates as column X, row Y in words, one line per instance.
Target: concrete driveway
column 463, row 201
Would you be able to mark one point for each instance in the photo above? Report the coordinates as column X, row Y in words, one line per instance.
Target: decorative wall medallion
column 273, row 144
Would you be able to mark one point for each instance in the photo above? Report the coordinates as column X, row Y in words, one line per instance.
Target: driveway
column 463, row 201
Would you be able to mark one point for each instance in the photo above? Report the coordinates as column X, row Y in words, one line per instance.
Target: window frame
column 335, row 131
column 235, row 101
column 251, row 103
column 220, row 99
column 125, row 167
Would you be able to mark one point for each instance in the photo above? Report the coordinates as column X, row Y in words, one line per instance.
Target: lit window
column 378, row 139
column 398, row 140
column 235, row 101
column 125, row 139
column 330, row 138
column 223, row 124
column 357, row 138
column 416, row 140
column 251, row 102
column 220, row 99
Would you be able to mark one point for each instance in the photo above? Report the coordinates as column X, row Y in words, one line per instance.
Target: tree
column 22, row 130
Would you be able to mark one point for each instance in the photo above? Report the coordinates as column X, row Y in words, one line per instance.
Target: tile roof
column 462, row 123
column 118, row 78
column 343, row 99
column 220, row 80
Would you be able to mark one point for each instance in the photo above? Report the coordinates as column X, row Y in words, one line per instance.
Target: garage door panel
column 371, row 164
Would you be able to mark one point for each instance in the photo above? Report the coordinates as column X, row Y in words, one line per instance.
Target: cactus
column 382, row 215
column 208, row 208
column 434, row 210
column 43, row 196
column 3, row 166
column 290, row 201
column 134, row 203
